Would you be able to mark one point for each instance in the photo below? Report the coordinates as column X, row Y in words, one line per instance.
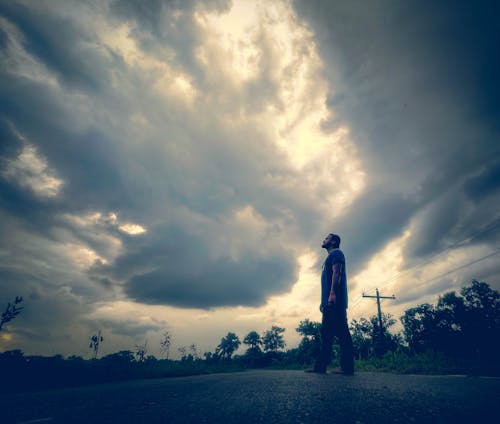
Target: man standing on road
column 334, row 309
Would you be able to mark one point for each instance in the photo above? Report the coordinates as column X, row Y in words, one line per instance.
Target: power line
column 475, row 261
column 496, row 223
column 496, row 252
column 491, row 226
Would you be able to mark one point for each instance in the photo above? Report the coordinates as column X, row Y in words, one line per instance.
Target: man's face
column 327, row 241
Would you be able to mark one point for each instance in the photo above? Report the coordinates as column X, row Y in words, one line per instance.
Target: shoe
column 314, row 371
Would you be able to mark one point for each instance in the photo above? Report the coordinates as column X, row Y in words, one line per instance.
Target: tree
column 481, row 323
column 95, row 341
column 362, row 341
column 141, row 352
column 383, row 341
column 183, row 351
column 165, row 343
column 367, row 339
column 273, row 339
column 309, row 329
column 193, row 351
column 465, row 325
column 310, row 344
column 11, row 311
column 418, row 327
column 227, row 346
column 254, row 341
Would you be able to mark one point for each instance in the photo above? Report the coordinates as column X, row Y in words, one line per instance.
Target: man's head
column 331, row 241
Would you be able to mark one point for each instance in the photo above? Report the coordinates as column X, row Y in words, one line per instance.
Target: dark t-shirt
column 335, row 256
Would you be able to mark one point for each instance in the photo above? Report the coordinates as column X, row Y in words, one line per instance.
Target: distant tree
column 253, row 356
column 11, row 311
column 465, row 325
column 309, row 346
column 368, row 340
column 254, row 341
column 273, row 339
column 309, row 329
column 227, row 346
column 165, row 343
column 193, row 351
column 95, row 342
column 210, row 357
column 183, row 351
column 481, row 322
column 141, row 351
column 384, row 341
column 362, row 341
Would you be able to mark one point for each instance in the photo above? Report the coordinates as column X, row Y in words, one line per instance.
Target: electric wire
column 489, row 227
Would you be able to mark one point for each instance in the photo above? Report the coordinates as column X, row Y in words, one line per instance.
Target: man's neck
column 329, row 249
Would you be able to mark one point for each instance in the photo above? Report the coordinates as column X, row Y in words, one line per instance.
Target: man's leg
column 327, row 329
column 345, row 341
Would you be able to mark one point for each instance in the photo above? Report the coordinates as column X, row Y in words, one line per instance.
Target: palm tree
column 254, row 341
column 228, row 345
column 273, row 339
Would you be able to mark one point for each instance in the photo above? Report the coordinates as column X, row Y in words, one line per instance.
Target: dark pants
column 334, row 323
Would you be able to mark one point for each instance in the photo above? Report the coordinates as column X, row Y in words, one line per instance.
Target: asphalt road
column 266, row 397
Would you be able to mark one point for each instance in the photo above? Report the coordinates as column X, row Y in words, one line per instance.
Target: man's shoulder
column 336, row 255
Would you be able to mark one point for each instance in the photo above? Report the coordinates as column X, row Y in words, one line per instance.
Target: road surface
column 266, row 397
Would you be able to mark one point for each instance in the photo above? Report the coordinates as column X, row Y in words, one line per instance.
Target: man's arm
column 336, row 276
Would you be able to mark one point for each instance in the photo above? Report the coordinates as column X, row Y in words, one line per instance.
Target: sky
column 175, row 165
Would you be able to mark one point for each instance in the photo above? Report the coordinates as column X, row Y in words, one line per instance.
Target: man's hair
column 335, row 239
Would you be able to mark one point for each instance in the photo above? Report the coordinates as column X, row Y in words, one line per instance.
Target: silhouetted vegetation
column 165, row 343
column 11, row 311
column 95, row 342
column 460, row 334
column 227, row 346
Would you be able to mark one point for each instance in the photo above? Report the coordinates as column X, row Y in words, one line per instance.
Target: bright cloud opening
column 30, row 170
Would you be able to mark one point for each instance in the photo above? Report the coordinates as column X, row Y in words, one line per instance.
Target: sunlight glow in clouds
column 264, row 38
column 194, row 153
column 260, row 70
column 132, row 229
column 167, row 80
column 31, row 170
column 251, row 43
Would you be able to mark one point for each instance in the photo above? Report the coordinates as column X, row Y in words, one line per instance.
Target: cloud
column 419, row 108
column 161, row 153
column 484, row 184
column 186, row 155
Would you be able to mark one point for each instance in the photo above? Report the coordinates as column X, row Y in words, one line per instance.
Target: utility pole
column 378, row 297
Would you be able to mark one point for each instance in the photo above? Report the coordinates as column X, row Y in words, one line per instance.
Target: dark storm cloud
column 10, row 146
column 172, row 267
column 64, row 51
column 221, row 282
column 107, row 165
column 485, row 184
column 376, row 217
column 129, row 327
column 225, row 214
column 419, row 88
column 3, row 39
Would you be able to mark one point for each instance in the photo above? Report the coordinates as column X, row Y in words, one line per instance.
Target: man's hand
column 321, row 308
column 332, row 298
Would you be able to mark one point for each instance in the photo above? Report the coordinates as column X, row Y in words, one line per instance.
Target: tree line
column 461, row 328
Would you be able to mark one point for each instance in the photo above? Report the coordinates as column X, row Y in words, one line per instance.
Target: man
column 334, row 309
